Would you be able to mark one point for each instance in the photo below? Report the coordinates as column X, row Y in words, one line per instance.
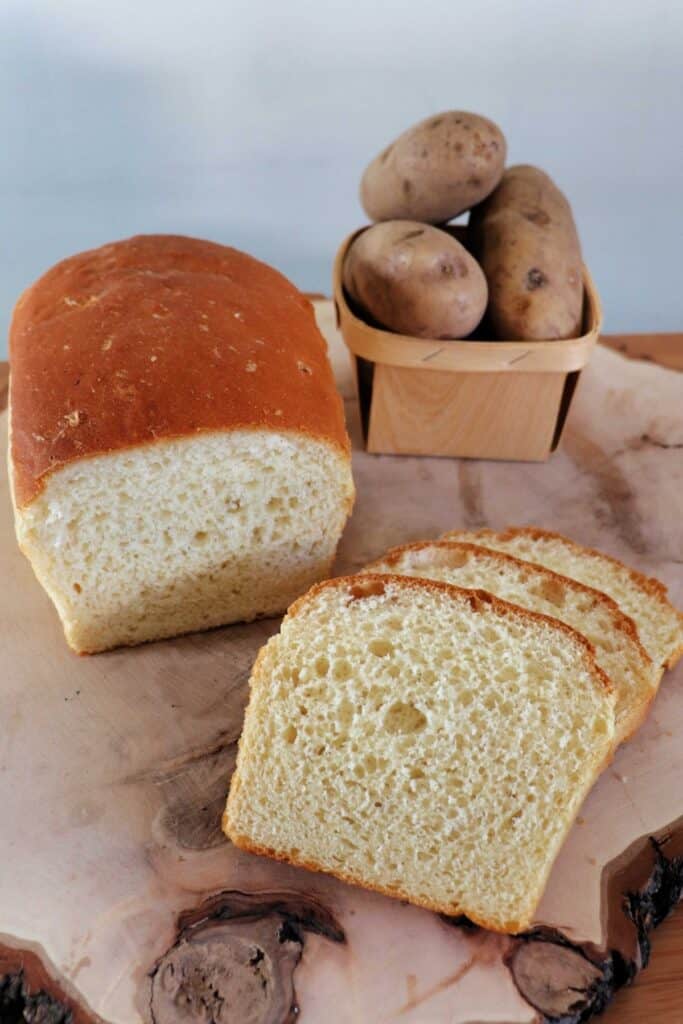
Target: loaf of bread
column 645, row 600
column 618, row 650
column 426, row 741
column 178, row 453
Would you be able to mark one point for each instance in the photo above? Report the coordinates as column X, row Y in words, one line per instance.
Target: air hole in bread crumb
column 322, row 665
column 201, row 536
column 552, row 590
column 380, row 648
column 367, row 588
column 290, row 733
column 77, row 588
column 404, row 718
column 345, row 713
column 454, row 559
column 341, row 669
column 506, row 674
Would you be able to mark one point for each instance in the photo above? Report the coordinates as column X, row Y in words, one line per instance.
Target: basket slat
column 482, row 415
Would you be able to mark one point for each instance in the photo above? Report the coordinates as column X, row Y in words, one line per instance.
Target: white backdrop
column 250, row 122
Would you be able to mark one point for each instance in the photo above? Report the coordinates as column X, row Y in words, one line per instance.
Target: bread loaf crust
column 157, row 337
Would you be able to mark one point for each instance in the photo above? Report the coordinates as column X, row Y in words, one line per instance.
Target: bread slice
column 426, row 741
column 659, row 624
column 618, row 650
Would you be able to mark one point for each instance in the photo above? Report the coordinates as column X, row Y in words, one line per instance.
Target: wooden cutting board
column 123, row 902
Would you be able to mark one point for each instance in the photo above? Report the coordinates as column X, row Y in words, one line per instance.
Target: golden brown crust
column 639, row 717
column 161, row 336
column 676, row 655
column 651, row 586
column 477, row 600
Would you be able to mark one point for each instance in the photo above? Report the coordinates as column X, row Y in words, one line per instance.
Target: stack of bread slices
column 429, row 727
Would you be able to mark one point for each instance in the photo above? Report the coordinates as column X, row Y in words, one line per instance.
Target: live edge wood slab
column 120, row 901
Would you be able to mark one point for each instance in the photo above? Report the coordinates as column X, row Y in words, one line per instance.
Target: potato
column 435, row 170
column 416, row 280
column 525, row 239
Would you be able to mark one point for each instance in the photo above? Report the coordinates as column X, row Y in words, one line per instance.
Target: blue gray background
column 250, row 123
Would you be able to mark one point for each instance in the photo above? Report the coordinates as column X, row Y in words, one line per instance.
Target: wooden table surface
column 657, row 995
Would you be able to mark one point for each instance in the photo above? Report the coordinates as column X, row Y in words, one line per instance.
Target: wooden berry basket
column 474, row 399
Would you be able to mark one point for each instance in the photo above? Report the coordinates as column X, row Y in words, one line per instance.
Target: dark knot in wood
column 234, row 959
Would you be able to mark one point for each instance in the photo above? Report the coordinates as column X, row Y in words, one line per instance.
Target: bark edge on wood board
column 262, row 933
column 31, row 992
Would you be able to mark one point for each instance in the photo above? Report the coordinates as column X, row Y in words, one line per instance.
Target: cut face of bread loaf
column 659, row 624
column 429, row 742
column 178, row 456
column 617, row 649
column 145, row 544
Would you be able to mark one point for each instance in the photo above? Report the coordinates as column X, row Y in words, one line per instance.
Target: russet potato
column 435, row 170
column 416, row 280
column 525, row 239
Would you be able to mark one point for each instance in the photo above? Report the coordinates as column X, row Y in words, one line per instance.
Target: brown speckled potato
column 416, row 280
column 435, row 170
column 525, row 239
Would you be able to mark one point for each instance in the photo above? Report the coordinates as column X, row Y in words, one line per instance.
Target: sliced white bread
column 659, row 624
column 422, row 740
column 618, row 650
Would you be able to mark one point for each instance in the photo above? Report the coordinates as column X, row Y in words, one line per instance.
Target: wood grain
column 664, row 349
column 510, row 416
column 657, row 996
